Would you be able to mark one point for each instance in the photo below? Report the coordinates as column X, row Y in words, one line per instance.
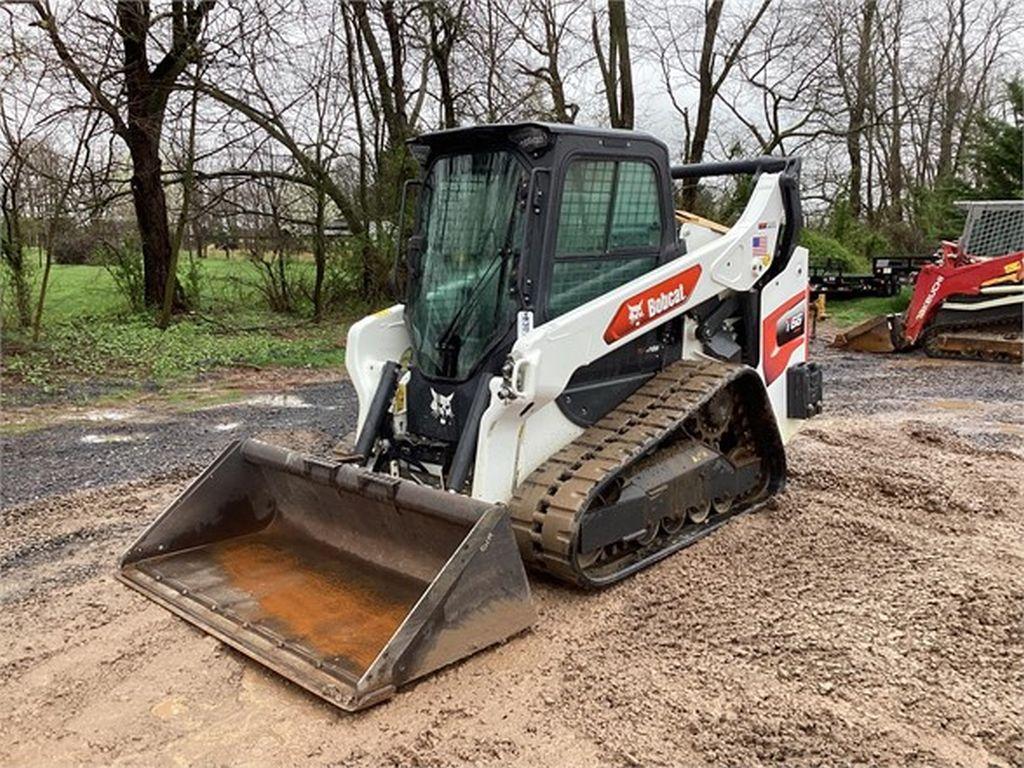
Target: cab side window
column 609, row 230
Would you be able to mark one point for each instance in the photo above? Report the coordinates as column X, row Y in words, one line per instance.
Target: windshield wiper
column 444, row 341
column 449, row 351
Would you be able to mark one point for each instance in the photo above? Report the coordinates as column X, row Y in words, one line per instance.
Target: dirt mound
column 871, row 614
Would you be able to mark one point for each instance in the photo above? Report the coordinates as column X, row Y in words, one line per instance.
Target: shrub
column 124, row 263
column 284, row 282
column 862, row 239
column 192, row 280
column 75, row 244
column 828, row 253
column 75, row 248
column 342, row 280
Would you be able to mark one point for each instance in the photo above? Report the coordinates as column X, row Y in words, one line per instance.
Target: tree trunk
column 859, row 107
column 705, row 100
column 151, row 214
column 447, row 96
column 444, row 24
column 562, row 112
column 895, row 160
column 171, row 286
column 609, row 72
column 618, row 30
column 14, row 255
column 147, row 92
column 319, row 255
column 616, row 68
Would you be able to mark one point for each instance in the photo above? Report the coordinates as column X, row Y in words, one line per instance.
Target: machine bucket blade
column 346, row 582
column 873, row 335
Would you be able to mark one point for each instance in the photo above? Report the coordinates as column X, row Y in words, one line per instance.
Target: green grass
column 89, row 332
column 76, row 291
column 84, row 290
column 132, row 348
column 8, row 429
column 234, row 282
column 853, row 311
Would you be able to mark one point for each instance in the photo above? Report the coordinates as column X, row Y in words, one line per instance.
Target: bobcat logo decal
column 663, row 299
column 441, row 407
column 636, row 313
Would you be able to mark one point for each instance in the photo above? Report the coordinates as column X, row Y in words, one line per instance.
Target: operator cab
column 515, row 225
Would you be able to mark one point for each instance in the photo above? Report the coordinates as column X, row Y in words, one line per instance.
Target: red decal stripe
column 639, row 310
column 775, row 356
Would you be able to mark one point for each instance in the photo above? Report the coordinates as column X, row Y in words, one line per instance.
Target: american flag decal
column 759, row 246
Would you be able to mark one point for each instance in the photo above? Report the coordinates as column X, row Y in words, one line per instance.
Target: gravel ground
column 871, row 614
column 100, row 447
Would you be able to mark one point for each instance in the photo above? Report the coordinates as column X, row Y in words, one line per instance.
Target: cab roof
column 468, row 135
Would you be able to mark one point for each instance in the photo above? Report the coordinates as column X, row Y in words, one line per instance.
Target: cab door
column 610, row 230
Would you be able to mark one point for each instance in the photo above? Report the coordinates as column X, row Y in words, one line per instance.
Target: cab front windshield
column 470, row 222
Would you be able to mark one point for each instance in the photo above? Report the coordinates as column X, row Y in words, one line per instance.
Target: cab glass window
column 609, row 230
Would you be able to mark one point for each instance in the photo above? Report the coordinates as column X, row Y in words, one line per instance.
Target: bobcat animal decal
column 663, row 299
column 636, row 313
column 441, row 407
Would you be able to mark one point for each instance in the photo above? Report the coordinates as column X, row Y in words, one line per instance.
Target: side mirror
column 414, row 255
column 398, row 290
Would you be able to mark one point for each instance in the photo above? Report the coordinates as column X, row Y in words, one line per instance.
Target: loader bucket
column 346, row 582
column 876, row 334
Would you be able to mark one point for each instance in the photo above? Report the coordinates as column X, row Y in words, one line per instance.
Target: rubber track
column 547, row 506
column 933, row 348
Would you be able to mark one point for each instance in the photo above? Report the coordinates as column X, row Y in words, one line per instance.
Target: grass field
column 78, row 291
column 853, row 311
column 90, row 332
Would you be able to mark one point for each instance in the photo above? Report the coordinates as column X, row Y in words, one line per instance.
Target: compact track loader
column 579, row 379
column 969, row 302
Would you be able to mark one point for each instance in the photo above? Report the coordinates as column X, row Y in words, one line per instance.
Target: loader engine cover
column 346, row 582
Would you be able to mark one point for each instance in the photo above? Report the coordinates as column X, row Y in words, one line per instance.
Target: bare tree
column 250, row 84
column 63, row 179
column 614, row 63
column 854, row 27
column 891, row 29
column 398, row 107
column 109, row 57
column 710, row 60
column 969, row 49
column 19, row 136
column 779, row 95
column 187, row 192
column 546, row 28
column 494, row 88
column 446, row 21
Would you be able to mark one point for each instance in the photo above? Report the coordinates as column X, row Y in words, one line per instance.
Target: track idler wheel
column 589, row 559
column 673, row 524
column 649, row 534
column 699, row 513
column 723, row 504
column 714, row 417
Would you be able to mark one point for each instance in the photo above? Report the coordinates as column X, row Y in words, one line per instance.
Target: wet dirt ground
column 873, row 613
column 65, row 448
